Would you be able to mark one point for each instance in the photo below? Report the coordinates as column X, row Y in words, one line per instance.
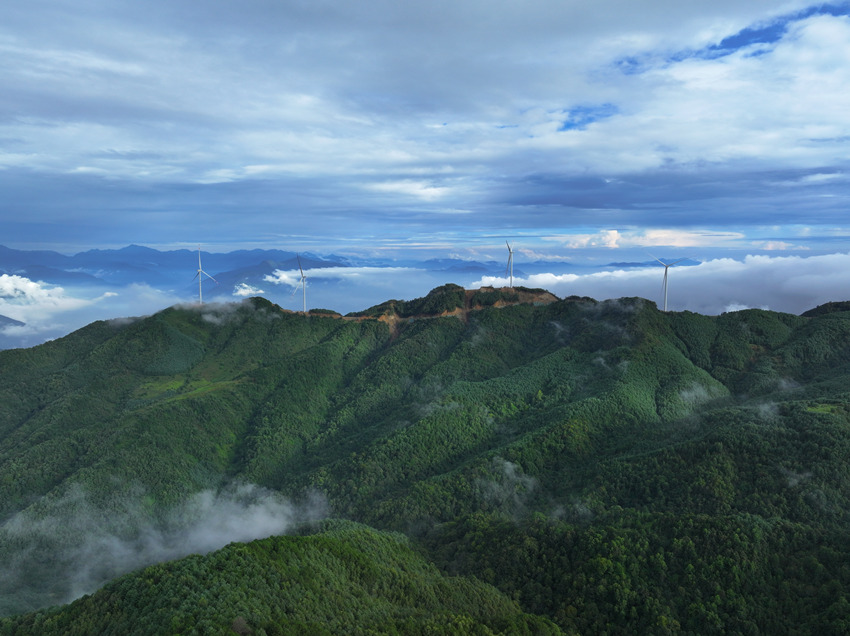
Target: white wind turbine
column 666, row 267
column 510, row 268
column 302, row 282
column 200, row 276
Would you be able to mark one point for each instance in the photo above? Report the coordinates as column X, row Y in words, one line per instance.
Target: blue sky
column 587, row 132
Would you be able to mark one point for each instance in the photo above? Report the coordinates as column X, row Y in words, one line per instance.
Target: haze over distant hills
column 50, row 294
column 136, row 264
column 53, row 293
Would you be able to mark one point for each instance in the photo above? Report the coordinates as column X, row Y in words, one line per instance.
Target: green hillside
column 348, row 579
column 610, row 467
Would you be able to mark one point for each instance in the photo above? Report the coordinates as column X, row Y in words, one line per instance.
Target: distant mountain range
column 5, row 321
column 143, row 265
column 136, row 264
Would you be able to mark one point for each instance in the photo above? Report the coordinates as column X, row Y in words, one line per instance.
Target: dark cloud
column 328, row 124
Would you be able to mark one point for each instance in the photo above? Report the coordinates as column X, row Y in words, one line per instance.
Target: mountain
column 608, row 466
column 136, row 264
column 261, row 587
column 5, row 321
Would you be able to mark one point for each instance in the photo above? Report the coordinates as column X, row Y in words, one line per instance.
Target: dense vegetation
column 610, row 467
column 348, row 579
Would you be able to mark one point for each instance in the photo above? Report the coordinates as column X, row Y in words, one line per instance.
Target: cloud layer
column 87, row 546
column 380, row 125
column 790, row 284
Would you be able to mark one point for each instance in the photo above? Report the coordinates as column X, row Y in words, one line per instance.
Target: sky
column 583, row 133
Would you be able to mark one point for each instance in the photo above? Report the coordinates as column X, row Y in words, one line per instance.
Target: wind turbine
column 666, row 267
column 302, row 282
column 200, row 276
column 510, row 268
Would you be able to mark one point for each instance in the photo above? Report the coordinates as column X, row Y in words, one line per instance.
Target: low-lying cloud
column 49, row 311
column 84, row 546
column 791, row 284
column 782, row 283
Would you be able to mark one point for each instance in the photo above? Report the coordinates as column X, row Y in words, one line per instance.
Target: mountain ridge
column 561, row 451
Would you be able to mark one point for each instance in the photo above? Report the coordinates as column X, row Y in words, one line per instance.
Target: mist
column 790, row 284
column 57, row 551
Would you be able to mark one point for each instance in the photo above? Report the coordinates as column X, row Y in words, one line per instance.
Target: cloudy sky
column 582, row 132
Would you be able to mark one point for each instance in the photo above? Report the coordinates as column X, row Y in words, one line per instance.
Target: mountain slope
column 611, row 466
column 292, row 585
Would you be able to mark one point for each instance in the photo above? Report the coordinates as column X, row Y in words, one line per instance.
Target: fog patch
column 696, row 394
column 793, row 478
column 479, row 336
column 581, row 511
column 787, row 384
column 768, row 411
column 623, row 305
column 562, row 333
column 508, row 488
column 599, row 361
column 119, row 323
column 577, row 511
column 427, row 409
column 57, row 551
column 222, row 313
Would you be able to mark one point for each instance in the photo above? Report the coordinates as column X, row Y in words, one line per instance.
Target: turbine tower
column 200, row 276
column 302, row 282
column 666, row 267
column 509, row 270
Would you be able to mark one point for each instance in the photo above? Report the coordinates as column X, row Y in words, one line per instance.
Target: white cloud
column 245, row 290
column 351, row 274
column 648, row 238
column 89, row 546
column 34, row 302
column 788, row 283
column 50, row 312
column 365, row 121
column 417, row 189
column 301, row 103
column 772, row 246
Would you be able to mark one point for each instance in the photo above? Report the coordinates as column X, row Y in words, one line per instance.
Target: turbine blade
column 658, row 259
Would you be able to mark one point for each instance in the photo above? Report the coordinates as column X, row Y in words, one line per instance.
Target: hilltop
column 608, row 466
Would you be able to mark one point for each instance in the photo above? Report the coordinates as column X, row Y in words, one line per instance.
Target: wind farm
column 442, row 440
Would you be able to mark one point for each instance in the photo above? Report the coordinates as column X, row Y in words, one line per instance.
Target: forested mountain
column 607, row 466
